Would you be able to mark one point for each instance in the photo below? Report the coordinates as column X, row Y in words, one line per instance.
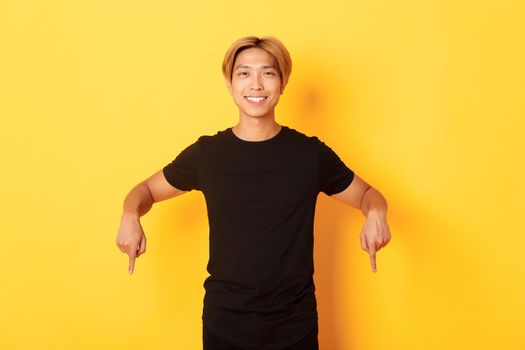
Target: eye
column 271, row 73
column 241, row 73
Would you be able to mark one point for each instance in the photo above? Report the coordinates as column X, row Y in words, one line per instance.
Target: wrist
column 130, row 215
column 377, row 213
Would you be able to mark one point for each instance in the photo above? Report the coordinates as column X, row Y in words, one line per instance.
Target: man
column 260, row 181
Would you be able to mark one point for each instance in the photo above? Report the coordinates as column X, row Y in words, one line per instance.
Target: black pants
column 211, row 342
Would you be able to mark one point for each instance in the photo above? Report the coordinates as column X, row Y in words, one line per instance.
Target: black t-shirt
column 260, row 198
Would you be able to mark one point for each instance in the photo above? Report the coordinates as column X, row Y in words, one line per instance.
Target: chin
column 258, row 116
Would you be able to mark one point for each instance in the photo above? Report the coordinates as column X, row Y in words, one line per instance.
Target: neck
column 255, row 129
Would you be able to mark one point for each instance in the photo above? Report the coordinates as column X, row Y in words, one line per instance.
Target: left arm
column 375, row 233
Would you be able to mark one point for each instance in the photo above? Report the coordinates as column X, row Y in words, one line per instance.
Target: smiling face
column 256, row 84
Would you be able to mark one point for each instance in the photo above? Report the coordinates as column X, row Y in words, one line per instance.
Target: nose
column 256, row 83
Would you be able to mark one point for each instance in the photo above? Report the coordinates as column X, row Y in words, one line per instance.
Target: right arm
column 131, row 238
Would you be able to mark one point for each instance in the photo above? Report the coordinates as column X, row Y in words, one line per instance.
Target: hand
column 374, row 235
column 131, row 239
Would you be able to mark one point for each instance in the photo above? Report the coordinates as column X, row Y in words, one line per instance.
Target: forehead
column 255, row 57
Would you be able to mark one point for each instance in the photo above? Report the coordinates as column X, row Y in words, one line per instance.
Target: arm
column 375, row 233
column 130, row 238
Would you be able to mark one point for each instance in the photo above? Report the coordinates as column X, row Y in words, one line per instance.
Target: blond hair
column 268, row 43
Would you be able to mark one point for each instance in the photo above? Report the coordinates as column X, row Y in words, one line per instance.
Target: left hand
column 374, row 236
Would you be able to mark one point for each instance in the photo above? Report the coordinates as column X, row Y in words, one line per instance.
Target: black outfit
column 212, row 342
column 260, row 198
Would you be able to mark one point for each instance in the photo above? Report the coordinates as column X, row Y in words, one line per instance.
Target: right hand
column 131, row 239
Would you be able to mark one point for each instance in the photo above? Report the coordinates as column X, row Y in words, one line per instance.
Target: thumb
column 142, row 246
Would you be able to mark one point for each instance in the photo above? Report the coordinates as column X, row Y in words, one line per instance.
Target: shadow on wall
column 313, row 108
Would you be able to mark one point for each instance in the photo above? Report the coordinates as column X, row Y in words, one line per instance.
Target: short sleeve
column 183, row 171
column 334, row 175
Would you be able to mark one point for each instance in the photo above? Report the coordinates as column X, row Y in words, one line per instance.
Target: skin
column 255, row 74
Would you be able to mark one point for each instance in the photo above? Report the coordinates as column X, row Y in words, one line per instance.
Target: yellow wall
column 423, row 99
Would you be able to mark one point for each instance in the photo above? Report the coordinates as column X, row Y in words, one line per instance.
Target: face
column 255, row 74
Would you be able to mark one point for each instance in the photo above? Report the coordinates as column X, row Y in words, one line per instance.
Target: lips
column 256, row 99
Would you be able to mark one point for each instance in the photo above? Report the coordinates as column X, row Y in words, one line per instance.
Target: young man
column 260, row 180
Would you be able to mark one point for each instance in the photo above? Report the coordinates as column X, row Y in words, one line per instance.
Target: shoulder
column 212, row 139
column 313, row 142
column 302, row 137
column 216, row 136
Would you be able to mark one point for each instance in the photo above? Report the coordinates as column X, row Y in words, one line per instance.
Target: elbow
column 145, row 198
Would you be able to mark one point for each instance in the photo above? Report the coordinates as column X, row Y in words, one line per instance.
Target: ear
column 229, row 86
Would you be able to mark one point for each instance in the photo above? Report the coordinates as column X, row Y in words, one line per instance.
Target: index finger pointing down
column 132, row 261
column 372, row 252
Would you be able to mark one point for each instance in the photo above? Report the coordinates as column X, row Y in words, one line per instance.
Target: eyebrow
column 246, row 66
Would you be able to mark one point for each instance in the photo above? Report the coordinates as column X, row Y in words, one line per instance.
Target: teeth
column 256, row 99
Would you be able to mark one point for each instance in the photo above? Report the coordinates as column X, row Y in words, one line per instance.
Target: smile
column 256, row 100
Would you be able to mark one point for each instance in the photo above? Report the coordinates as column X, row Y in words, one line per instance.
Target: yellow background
column 423, row 99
